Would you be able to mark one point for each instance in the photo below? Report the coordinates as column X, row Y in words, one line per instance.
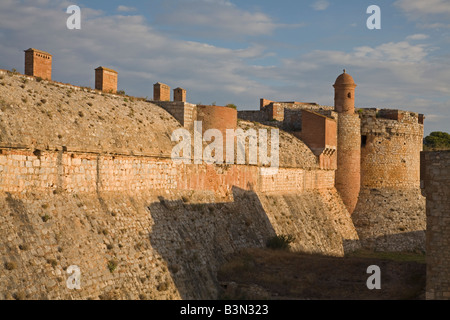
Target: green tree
column 437, row 141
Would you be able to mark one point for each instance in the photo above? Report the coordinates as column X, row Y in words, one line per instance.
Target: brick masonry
column 179, row 94
column 435, row 176
column 128, row 209
column 184, row 112
column 348, row 171
column 126, row 200
column 38, row 63
column 106, row 80
column 161, row 92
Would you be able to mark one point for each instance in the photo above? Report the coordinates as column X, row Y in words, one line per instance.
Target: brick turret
column 106, row 79
column 38, row 63
column 348, row 173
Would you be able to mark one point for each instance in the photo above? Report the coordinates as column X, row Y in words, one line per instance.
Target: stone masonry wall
column 185, row 113
column 86, row 179
column 435, row 177
column 390, row 153
column 24, row 171
column 167, row 227
column 390, row 214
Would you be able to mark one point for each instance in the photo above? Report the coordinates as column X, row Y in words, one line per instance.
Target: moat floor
column 269, row 274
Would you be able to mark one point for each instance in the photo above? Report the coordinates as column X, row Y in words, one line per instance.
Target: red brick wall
column 215, row 117
column 38, row 64
column 318, row 131
column 313, row 130
column 106, row 80
column 348, row 175
column 344, row 98
column 275, row 111
column 320, row 134
column 179, row 94
column 264, row 103
column 161, row 92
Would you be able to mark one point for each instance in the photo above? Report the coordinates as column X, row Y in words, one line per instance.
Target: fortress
column 87, row 179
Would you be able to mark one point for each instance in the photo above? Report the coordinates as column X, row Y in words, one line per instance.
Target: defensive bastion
column 87, row 180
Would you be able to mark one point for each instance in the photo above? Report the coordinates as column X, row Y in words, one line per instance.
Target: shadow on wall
column 400, row 242
column 194, row 239
column 391, row 219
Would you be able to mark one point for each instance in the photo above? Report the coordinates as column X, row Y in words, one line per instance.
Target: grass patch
column 112, row 265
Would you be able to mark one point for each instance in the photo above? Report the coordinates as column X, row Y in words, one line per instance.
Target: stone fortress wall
column 86, row 179
column 113, row 169
column 435, row 180
column 390, row 211
column 391, row 149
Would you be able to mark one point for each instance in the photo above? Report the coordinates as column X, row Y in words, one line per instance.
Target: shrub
column 53, row 262
column 46, row 218
column 112, row 265
column 20, row 295
column 24, row 247
column 163, row 286
column 232, row 106
column 10, row 266
column 282, row 242
column 38, row 79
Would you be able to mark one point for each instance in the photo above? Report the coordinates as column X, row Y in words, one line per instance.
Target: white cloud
column 391, row 75
column 399, row 74
column 417, row 37
column 419, row 8
column 214, row 19
column 125, row 9
column 320, row 5
column 436, row 25
column 129, row 44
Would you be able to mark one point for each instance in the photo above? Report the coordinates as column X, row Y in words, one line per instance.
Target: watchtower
column 348, row 174
column 179, row 94
column 106, row 79
column 161, row 92
column 38, row 63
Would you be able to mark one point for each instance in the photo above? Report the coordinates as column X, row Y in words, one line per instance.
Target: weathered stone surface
column 435, row 176
column 139, row 225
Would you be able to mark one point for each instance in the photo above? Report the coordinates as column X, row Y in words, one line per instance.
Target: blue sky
column 227, row 51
